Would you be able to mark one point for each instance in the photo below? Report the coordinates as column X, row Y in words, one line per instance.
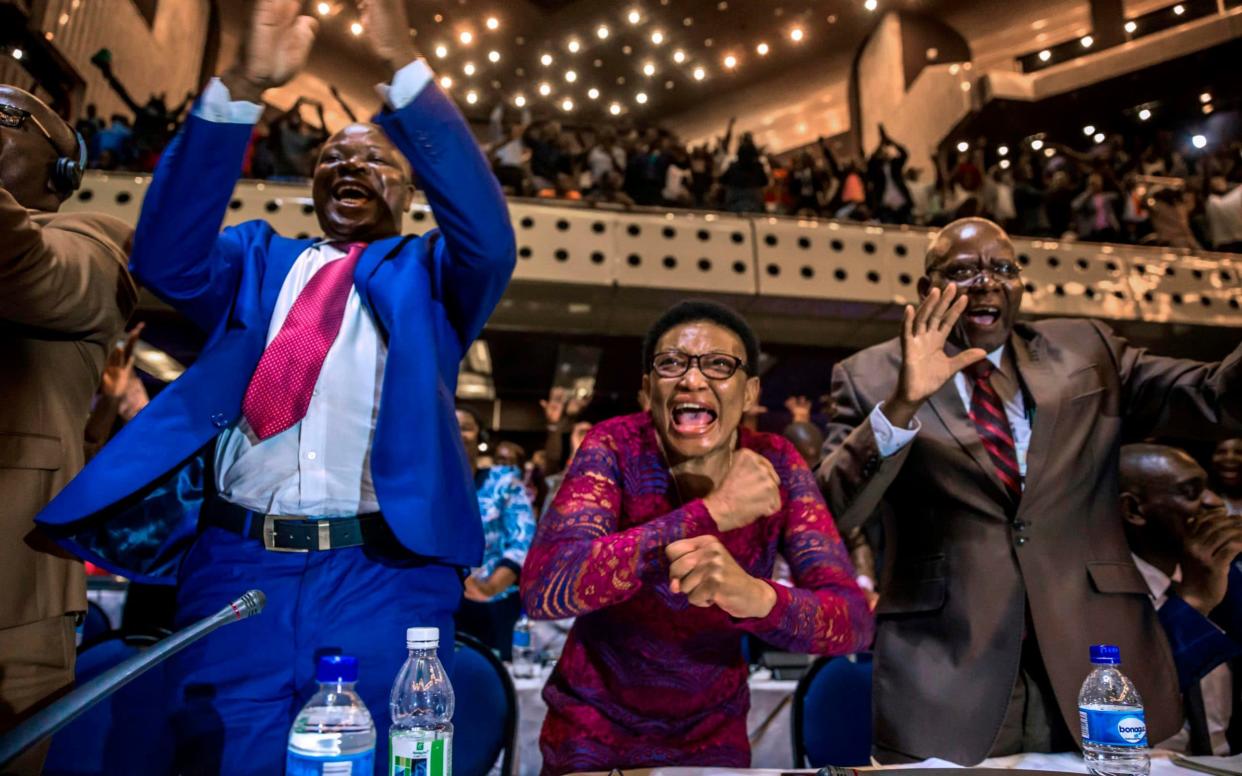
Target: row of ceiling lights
column 730, row 61
column 1087, row 41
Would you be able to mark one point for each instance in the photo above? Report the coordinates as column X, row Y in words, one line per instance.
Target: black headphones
column 67, row 174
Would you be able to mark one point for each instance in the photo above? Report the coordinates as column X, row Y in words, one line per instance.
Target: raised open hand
column 277, row 43
column 800, row 408
column 925, row 366
column 388, row 29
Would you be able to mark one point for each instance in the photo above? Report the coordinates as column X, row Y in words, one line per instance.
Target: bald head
column 362, row 185
column 974, row 232
column 28, row 152
column 1146, row 467
column 808, row 440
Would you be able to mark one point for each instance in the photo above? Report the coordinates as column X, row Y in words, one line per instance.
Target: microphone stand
column 55, row 716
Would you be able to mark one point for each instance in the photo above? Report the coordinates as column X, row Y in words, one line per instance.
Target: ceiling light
column 324, row 9
column 567, row 105
column 439, row 18
column 679, row 56
column 1098, row 138
column 593, row 93
column 442, row 51
column 573, row 45
column 1002, row 151
column 446, row 82
column 657, row 37
column 634, row 17
column 1199, row 141
column 669, row 84
column 615, row 109
column 468, row 69
column 932, row 53
column 356, row 28
column 1037, row 144
column 1045, row 55
column 466, row 37
column 472, row 97
column 1205, row 98
column 519, row 101
column 762, row 49
column 18, row 54
column 648, row 69
column 1131, row 27
column 796, row 34
column 601, row 32
column 545, row 60
column 963, row 147
column 1207, row 109
column 730, row 62
column 627, row 49
column 493, row 56
column 545, row 88
column 1088, row 130
column 641, row 98
column 571, row 76
column 620, row 80
column 493, row 23
column 1048, row 152
column 1179, row 9
column 1004, row 164
column 699, row 73
column 871, row 5
column 1086, row 41
column 1144, row 114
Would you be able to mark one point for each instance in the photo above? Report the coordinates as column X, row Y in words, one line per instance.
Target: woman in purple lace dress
column 661, row 542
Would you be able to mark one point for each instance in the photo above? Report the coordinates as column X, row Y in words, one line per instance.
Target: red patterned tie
column 280, row 390
column 988, row 412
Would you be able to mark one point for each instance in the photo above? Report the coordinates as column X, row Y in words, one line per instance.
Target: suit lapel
column 947, row 404
column 1042, row 389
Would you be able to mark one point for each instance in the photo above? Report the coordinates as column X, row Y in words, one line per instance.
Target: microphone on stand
column 55, row 716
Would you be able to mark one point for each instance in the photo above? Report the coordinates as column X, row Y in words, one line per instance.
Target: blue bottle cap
column 337, row 668
column 1105, row 655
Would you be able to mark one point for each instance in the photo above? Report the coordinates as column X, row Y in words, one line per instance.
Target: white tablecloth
column 768, row 723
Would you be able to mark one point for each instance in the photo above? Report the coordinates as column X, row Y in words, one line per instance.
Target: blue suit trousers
column 233, row 695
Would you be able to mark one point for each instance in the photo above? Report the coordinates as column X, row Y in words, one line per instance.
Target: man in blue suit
column 312, row 451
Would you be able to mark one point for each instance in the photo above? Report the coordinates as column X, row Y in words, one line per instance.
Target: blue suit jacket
column 134, row 508
column 1201, row 643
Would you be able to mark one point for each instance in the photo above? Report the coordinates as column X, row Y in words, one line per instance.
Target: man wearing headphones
column 65, row 295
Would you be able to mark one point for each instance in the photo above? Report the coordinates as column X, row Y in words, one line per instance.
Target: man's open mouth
column 693, row 419
column 352, row 193
column 982, row 315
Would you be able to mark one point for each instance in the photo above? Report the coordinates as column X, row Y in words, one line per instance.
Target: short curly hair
column 694, row 310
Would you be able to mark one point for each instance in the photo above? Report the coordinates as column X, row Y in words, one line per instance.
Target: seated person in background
column 1184, row 544
column 1227, row 473
column 661, row 541
column 491, row 605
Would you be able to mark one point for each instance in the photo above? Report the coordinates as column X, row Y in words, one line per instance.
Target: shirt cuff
column 888, row 438
column 407, row 84
column 218, row 106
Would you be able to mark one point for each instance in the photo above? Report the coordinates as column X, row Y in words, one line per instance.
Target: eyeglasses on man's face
column 14, row 117
column 964, row 273
column 714, row 366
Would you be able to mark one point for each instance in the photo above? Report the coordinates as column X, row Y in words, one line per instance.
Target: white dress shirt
column 1216, row 687
column 321, row 466
column 891, row 439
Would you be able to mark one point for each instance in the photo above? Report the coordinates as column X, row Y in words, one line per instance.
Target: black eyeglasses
column 714, row 366
column 13, row 117
column 967, row 274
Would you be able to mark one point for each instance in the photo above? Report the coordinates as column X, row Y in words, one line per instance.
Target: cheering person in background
column 661, row 542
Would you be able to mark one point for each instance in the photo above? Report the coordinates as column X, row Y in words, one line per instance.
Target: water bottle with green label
column 420, row 742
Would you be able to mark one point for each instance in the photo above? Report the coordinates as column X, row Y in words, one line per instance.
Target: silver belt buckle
column 269, row 534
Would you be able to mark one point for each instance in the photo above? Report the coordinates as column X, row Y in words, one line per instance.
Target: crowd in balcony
column 1122, row 189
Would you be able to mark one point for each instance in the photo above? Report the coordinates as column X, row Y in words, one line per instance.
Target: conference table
column 768, row 723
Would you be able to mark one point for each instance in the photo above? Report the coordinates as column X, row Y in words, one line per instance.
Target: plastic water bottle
column 420, row 742
column 523, row 650
column 1114, row 730
column 334, row 734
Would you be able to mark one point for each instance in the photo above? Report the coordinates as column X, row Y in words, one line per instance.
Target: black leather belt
column 296, row 533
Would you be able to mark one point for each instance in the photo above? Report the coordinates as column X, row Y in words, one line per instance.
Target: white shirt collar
column 1157, row 581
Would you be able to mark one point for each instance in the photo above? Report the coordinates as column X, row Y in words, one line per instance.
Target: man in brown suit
column 996, row 447
column 65, row 294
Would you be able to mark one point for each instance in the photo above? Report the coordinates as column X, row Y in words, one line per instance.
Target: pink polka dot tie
column 280, row 390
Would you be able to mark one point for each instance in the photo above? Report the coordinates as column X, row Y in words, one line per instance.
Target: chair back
column 832, row 713
column 485, row 716
column 125, row 732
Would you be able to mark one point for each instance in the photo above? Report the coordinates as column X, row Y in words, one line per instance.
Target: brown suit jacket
column 65, row 295
column 960, row 569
